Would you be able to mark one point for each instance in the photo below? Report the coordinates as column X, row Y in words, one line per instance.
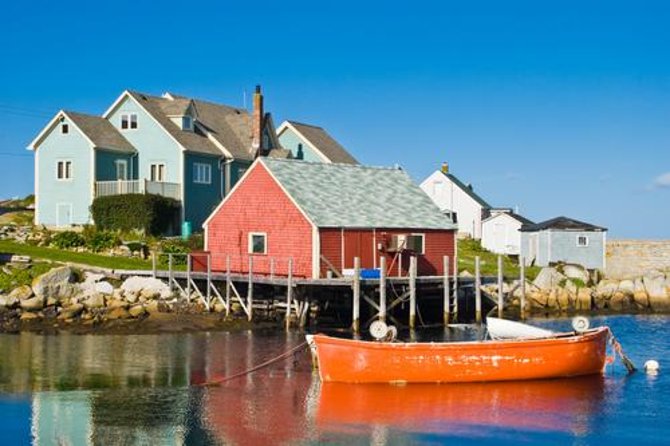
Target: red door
column 359, row 243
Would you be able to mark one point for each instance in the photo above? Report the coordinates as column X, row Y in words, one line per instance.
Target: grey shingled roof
column 562, row 223
column 354, row 196
column 320, row 139
column 520, row 218
column 467, row 190
column 101, row 132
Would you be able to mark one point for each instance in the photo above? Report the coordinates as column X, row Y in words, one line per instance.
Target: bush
column 151, row 214
column 174, row 247
column 67, row 240
column 102, row 240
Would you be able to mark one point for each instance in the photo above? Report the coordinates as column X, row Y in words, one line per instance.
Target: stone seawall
column 629, row 259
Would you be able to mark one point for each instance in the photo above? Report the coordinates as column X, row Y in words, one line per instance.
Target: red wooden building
column 322, row 216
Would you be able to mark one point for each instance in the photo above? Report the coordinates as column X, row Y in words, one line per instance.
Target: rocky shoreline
column 57, row 301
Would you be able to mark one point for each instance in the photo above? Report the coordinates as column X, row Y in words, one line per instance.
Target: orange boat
column 352, row 361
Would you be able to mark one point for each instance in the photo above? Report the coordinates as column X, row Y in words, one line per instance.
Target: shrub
column 174, row 247
column 149, row 213
column 102, row 240
column 67, row 240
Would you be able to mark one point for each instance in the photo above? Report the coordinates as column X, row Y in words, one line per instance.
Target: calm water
column 78, row 390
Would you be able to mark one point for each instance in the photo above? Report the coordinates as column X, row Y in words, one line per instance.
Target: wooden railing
column 121, row 187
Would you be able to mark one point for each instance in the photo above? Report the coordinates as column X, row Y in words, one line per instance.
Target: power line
column 15, row 154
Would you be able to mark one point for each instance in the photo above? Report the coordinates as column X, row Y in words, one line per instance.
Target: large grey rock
column 22, row 293
column 138, row 284
column 54, row 283
column 95, row 301
column 33, row 304
column 8, row 302
column 577, row 272
column 606, row 288
column 104, row 288
column 655, row 286
column 548, row 278
column 627, row 287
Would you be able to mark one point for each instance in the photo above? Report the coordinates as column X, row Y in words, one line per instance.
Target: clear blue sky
column 560, row 108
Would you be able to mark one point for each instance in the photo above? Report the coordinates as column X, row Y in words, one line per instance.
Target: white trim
column 50, row 126
column 36, row 172
column 604, row 249
column 118, row 163
column 586, row 239
column 250, row 245
column 129, row 116
column 93, row 178
column 287, row 125
column 163, row 178
column 316, row 253
column 66, row 178
column 423, row 241
column 225, row 199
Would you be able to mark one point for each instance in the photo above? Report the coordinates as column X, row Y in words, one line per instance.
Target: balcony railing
column 121, row 187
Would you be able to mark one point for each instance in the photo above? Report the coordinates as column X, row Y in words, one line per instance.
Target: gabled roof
column 100, row 131
column 354, row 196
column 467, row 189
column 320, row 140
column 520, row 218
column 562, row 223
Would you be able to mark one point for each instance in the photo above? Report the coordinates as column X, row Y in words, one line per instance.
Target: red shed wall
column 339, row 245
column 258, row 204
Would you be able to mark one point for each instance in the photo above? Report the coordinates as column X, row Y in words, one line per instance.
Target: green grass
column 19, row 277
column 85, row 258
column 469, row 249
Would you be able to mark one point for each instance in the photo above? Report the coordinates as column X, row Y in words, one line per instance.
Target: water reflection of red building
column 564, row 405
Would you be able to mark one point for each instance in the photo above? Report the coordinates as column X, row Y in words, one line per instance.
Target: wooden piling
column 209, row 280
column 228, row 285
column 170, row 273
column 455, row 288
column 356, row 318
column 289, row 293
column 250, row 289
column 446, row 291
column 500, row 287
column 154, row 263
column 522, row 285
column 478, row 291
column 412, row 292
column 382, row 288
column 188, row 277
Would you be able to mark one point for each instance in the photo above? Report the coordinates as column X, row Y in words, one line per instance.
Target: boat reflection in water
column 561, row 405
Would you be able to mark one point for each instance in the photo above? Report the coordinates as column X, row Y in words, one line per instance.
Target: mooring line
column 619, row 350
column 284, row 355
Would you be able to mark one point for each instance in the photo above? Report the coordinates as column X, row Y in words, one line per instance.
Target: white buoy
column 580, row 324
column 378, row 329
column 651, row 367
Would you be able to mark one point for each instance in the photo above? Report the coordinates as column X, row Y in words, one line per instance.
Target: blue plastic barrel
column 186, row 230
column 370, row 273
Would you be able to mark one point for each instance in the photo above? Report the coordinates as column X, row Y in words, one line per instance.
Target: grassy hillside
column 469, row 249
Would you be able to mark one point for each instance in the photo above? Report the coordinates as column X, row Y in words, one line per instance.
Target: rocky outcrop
column 56, row 283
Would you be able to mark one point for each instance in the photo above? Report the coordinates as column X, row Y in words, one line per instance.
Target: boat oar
column 619, row 350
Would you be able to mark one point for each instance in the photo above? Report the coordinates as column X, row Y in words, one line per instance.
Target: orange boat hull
column 346, row 360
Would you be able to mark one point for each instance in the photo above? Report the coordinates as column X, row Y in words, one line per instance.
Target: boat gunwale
column 557, row 339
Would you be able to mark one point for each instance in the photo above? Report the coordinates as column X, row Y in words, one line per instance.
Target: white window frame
column 423, row 242
column 202, row 173
column 586, row 238
column 250, row 247
column 190, row 122
column 160, row 175
column 67, row 170
column 129, row 118
column 123, row 163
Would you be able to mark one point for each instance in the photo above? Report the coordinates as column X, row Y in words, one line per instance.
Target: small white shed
column 501, row 232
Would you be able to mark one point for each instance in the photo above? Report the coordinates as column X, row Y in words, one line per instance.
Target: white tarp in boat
column 504, row 329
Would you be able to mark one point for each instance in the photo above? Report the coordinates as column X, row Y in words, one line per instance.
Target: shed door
column 358, row 244
column 63, row 214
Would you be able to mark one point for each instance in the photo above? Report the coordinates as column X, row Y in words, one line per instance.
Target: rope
column 255, row 368
column 619, row 351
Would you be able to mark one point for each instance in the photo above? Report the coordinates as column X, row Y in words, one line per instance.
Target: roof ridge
column 306, row 125
column 347, row 165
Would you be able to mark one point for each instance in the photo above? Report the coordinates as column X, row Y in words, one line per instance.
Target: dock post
column 522, row 274
column 382, row 288
column 188, row 277
column 500, row 287
column 412, row 292
column 478, row 291
column 209, row 280
column 154, row 262
column 289, row 293
column 228, row 285
column 170, row 278
column 356, row 319
column 250, row 289
column 446, row 290
column 455, row 288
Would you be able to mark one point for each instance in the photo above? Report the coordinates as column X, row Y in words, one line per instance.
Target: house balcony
column 121, row 187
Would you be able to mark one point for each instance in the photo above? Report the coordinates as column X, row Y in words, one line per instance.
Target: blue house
column 187, row 149
column 312, row 143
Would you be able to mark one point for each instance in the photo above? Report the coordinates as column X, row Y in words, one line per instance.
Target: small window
column 416, row 243
column 258, row 243
column 186, row 123
column 202, row 173
column 64, row 170
column 129, row 121
column 157, row 172
column 582, row 240
column 65, row 129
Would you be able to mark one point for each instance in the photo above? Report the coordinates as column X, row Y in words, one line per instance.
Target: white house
column 501, row 232
column 458, row 200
